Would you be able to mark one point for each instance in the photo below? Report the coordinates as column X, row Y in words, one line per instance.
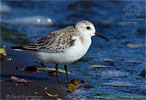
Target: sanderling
column 63, row 46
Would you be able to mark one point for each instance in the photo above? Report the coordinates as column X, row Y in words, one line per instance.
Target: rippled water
column 121, row 21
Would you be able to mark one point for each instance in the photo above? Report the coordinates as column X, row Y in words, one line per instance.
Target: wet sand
column 19, row 91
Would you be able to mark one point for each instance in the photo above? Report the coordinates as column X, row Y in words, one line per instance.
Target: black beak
column 99, row 35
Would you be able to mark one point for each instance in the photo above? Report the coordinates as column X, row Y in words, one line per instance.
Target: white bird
column 64, row 46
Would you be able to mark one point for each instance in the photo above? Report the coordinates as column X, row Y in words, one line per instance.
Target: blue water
column 123, row 22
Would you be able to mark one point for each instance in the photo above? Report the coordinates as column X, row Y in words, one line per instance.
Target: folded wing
column 56, row 41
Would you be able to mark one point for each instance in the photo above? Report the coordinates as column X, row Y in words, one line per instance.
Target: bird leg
column 57, row 73
column 65, row 67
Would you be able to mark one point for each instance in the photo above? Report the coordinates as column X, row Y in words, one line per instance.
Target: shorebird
column 63, row 46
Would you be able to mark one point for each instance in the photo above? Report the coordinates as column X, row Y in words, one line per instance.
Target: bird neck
column 86, row 41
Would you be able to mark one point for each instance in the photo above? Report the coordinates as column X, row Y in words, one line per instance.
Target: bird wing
column 56, row 41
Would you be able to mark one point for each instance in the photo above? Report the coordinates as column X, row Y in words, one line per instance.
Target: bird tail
column 18, row 48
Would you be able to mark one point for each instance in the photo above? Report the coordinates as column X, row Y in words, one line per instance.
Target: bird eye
column 88, row 28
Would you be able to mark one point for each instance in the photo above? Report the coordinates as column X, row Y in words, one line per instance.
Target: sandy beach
column 11, row 90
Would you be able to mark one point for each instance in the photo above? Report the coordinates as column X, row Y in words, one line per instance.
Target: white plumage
column 63, row 46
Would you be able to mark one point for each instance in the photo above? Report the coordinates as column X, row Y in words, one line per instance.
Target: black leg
column 57, row 73
column 65, row 67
